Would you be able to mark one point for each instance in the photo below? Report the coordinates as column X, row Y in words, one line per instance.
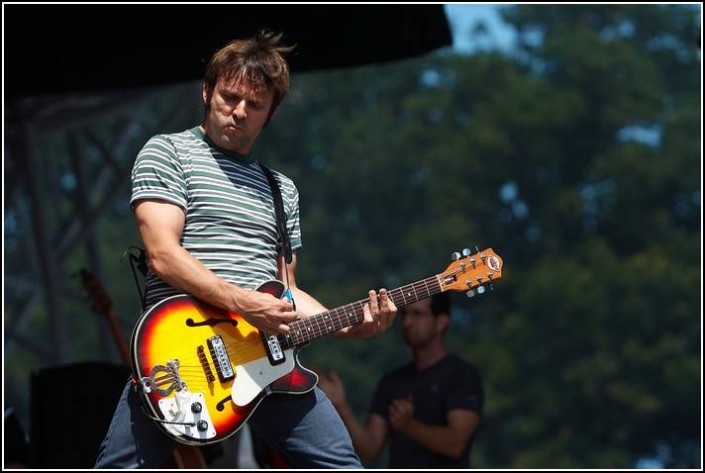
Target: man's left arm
column 449, row 440
column 378, row 313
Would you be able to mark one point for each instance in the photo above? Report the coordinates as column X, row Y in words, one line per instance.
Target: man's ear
column 204, row 95
column 271, row 115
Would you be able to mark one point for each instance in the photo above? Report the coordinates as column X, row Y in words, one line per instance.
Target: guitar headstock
column 471, row 272
column 99, row 299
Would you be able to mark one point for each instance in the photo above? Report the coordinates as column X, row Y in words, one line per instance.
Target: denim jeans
column 305, row 428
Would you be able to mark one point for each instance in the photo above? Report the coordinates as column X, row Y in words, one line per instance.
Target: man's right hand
column 266, row 312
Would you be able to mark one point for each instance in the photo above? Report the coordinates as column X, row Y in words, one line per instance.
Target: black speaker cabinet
column 71, row 407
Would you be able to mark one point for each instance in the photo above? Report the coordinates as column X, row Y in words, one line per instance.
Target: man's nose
column 240, row 110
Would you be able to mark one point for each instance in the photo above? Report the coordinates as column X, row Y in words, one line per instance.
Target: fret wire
column 436, row 285
column 413, row 287
column 320, row 322
column 339, row 320
column 411, row 293
column 327, row 322
column 403, row 296
column 424, row 283
column 304, row 329
column 425, row 287
column 334, row 321
column 316, row 327
column 416, row 293
column 313, row 327
column 397, row 292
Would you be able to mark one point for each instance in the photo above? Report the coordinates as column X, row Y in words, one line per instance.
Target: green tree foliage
column 576, row 158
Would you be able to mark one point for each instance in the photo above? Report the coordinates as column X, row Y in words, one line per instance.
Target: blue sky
column 462, row 17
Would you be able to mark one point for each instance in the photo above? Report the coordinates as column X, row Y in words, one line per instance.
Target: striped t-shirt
column 230, row 218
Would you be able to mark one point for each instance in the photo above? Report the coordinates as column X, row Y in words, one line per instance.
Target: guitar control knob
column 196, row 407
column 202, row 425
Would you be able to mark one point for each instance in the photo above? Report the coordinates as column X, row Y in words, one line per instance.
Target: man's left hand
column 401, row 412
column 379, row 313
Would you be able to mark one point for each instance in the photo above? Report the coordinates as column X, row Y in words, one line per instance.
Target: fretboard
column 309, row 328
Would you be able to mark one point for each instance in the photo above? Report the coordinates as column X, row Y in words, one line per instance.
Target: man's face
column 237, row 114
column 419, row 326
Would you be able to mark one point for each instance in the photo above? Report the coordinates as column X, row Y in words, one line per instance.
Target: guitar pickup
column 221, row 359
column 273, row 349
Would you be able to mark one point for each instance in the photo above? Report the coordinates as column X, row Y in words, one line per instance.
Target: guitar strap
column 138, row 261
column 281, row 227
column 279, row 210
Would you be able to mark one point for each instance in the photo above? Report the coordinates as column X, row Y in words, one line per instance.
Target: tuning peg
column 467, row 251
column 481, row 289
column 455, row 256
column 471, row 293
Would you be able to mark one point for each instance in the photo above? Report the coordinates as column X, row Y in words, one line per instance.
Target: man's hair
column 440, row 304
column 257, row 61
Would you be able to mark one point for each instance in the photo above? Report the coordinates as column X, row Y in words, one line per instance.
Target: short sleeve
column 158, row 174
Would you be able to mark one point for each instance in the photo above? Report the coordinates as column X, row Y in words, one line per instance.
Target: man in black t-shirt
column 428, row 409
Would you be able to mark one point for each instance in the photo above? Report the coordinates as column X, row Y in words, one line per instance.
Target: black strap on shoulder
column 279, row 210
column 138, row 261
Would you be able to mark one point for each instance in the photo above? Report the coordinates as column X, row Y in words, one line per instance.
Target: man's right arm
column 160, row 225
column 368, row 439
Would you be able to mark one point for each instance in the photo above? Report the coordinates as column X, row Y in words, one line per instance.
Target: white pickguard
column 252, row 377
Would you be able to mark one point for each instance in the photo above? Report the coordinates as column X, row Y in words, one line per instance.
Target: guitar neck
column 309, row 328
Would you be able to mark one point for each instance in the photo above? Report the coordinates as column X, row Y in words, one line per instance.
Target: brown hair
column 258, row 61
column 440, row 304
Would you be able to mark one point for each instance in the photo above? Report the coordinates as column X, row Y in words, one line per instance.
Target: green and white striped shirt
column 230, row 218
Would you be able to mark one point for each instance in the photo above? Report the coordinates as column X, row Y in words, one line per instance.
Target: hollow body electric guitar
column 202, row 371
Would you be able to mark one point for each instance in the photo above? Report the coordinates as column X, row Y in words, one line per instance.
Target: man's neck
column 429, row 355
column 243, row 157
